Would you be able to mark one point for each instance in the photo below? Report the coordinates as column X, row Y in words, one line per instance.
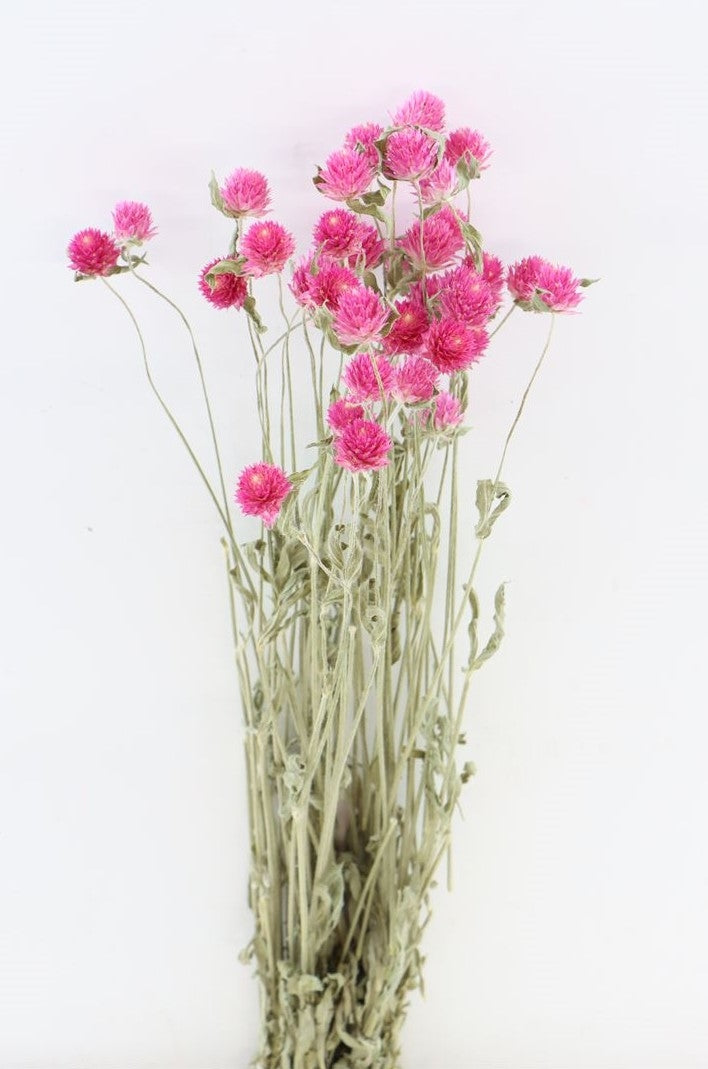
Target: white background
column 576, row 935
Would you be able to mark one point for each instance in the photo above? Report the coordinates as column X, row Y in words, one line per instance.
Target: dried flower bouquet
column 348, row 601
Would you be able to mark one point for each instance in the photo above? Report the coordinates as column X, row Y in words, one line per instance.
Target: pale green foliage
column 352, row 710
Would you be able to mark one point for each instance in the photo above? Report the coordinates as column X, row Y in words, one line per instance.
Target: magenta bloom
column 301, row 281
column 421, row 109
column 439, row 184
column 464, row 294
column 245, row 193
column 362, row 375
column 468, row 145
column 362, row 138
column 447, row 411
column 347, row 173
column 535, row 277
column 493, row 274
column 341, row 413
column 267, row 247
column 372, row 248
column 453, row 345
column 408, row 330
column 440, row 237
column 409, row 154
column 261, row 490
column 360, row 316
column 362, row 446
column 415, row 380
column 132, row 223
column 338, row 233
column 226, row 291
column 321, row 282
column 91, row 252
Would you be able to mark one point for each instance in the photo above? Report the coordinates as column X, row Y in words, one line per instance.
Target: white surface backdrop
column 576, row 936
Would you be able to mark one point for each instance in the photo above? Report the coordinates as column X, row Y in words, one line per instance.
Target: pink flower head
column 447, row 411
column 493, row 273
column 421, row 109
column 408, row 330
column 226, row 291
column 464, row 295
column 415, row 380
column 453, row 345
column 91, row 252
column 372, row 248
column 468, row 145
column 321, row 282
column 338, row 233
column 347, row 173
column 267, row 247
column 409, row 154
column 261, row 490
column 301, row 281
column 132, row 223
column 341, row 413
column 362, row 446
column 363, row 374
column 440, row 237
column 535, row 279
column 439, row 184
column 245, row 193
column 362, row 139
column 360, row 316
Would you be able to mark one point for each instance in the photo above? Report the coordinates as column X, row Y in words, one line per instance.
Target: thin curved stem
column 168, row 412
column 202, row 380
column 501, row 322
column 525, row 396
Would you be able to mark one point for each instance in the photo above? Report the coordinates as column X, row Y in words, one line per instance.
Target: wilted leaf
column 487, row 493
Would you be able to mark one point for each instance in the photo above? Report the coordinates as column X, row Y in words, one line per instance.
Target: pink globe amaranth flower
column 245, row 193
column 347, row 173
column 261, row 490
column 132, row 223
column 362, row 446
column 468, row 145
column 267, row 247
column 409, row 328
column 415, row 380
column 464, row 294
column 447, row 411
column 226, row 291
column 320, row 282
column 362, row 376
column 91, row 252
column 372, row 248
column 440, row 237
column 301, row 281
column 439, row 184
column 409, row 154
column 534, row 279
column 338, row 233
column 330, row 282
column 421, row 109
column 362, row 139
column 493, row 274
column 341, row 413
column 452, row 345
column 360, row 316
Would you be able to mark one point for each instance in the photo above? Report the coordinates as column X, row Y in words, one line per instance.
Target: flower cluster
column 406, row 308
column 263, row 249
column 94, row 253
